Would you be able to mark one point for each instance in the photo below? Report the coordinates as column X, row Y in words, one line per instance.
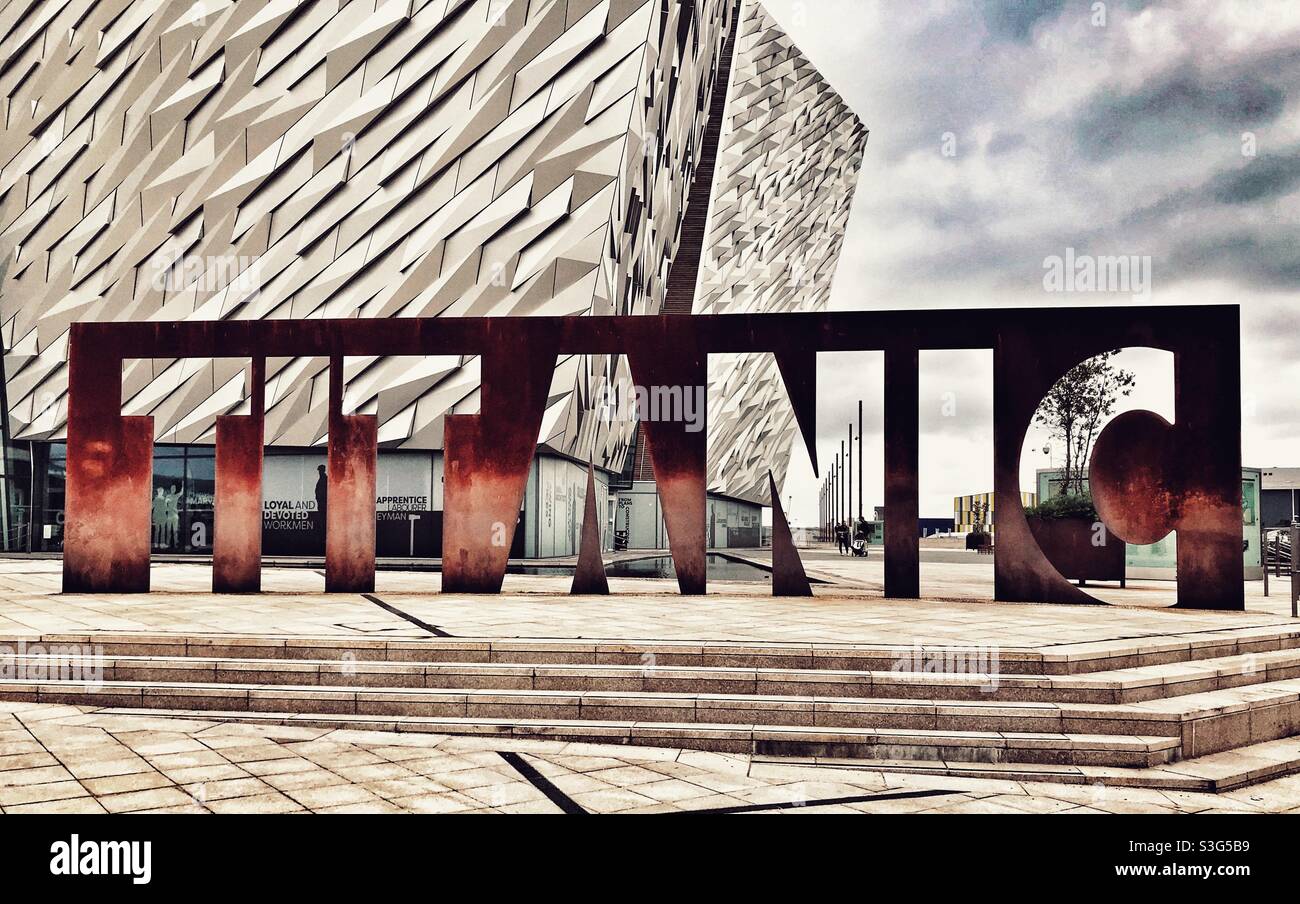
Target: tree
column 1074, row 409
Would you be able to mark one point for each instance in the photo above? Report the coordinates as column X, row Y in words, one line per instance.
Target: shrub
column 1073, row 505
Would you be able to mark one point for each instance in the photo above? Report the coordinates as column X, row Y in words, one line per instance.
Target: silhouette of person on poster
column 158, row 516
column 322, row 492
column 173, row 515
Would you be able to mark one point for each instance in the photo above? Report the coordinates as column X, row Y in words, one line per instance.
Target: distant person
column 842, row 537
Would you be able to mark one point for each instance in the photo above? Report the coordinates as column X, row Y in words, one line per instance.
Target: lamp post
column 846, row 484
column 850, row 464
column 835, row 491
column 859, row 458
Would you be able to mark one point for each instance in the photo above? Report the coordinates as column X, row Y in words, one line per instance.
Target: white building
column 401, row 159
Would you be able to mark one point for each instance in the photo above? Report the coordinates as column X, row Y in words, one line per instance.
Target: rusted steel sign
column 1148, row 477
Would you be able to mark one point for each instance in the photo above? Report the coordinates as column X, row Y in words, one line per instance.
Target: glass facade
column 184, row 484
column 408, row 501
column 15, row 498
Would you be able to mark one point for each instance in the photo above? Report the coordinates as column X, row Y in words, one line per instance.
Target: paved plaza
column 57, row 759
column 957, row 607
column 80, row 758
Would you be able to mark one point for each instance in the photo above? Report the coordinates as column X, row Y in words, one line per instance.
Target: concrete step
column 1120, row 686
column 1213, row 774
column 1185, row 698
column 1201, row 724
column 1057, row 659
column 875, row 743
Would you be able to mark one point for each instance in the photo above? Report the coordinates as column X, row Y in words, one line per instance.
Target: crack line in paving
column 824, row 802
column 543, row 784
column 432, row 629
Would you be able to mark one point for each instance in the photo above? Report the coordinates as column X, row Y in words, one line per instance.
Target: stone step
column 1057, row 659
column 1213, row 774
column 873, row 743
column 1201, row 724
column 1120, row 686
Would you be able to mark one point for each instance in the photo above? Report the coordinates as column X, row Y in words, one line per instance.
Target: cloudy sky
column 1003, row 133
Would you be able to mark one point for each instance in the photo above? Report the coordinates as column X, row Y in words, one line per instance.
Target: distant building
column 977, row 508
column 928, row 526
column 639, row 521
column 465, row 159
column 1279, row 496
column 931, row 526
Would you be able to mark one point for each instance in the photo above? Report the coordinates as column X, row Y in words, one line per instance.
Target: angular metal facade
column 387, row 158
column 788, row 165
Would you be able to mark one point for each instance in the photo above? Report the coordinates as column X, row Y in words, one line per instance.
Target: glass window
column 167, row 503
column 16, row 506
column 49, row 507
column 200, row 497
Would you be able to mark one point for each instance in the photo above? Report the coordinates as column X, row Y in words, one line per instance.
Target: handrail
column 1282, row 556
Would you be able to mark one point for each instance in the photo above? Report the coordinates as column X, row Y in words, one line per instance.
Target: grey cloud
column 1004, row 142
column 1165, row 113
column 1003, row 78
column 1261, row 256
column 1276, row 331
column 1256, row 180
column 1016, row 20
column 1262, row 178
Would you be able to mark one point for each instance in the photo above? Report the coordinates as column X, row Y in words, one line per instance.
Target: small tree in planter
column 1075, row 409
column 979, row 536
column 1067, row 526
column 1070, row 534
column 1078, row 505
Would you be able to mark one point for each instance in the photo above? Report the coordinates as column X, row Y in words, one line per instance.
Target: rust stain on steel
column 589, row 577
column 1025, row 367
column 237, row 516
column 902, row 457
column 1190, row 471
column 1150, row 477
column 788, row 576
column 488, row 455
column 107, row 510
column 350, row 500
column 1128, row 476
column 668, row 364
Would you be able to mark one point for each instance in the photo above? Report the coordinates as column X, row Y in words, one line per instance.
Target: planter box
column 1067, row 543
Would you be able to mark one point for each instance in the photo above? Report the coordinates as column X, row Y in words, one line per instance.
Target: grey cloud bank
column 1170, row 132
